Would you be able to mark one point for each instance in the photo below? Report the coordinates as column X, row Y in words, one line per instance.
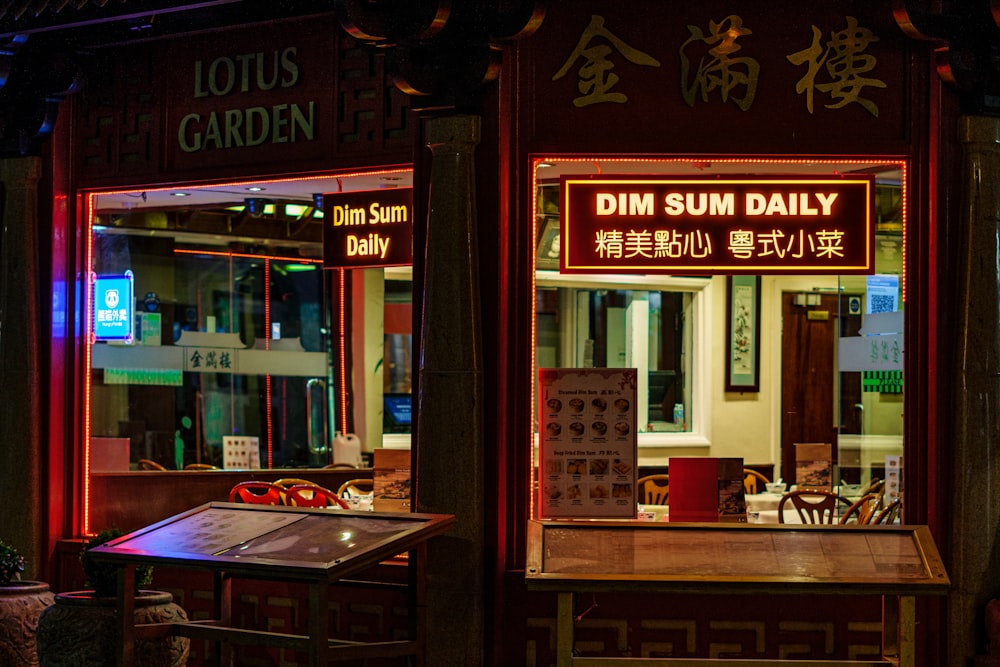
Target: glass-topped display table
column 896, row 562
column 314, row 546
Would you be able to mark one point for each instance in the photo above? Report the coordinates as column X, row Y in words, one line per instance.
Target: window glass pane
column 226, row 346
column 870, row 441
column 620, row 328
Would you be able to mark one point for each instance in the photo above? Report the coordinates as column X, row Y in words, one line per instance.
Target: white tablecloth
column 763, row 501
column 771, row 516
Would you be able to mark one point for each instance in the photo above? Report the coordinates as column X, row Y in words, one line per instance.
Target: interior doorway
column 817, row 402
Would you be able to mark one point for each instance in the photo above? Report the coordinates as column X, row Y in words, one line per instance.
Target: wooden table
column 571, row 557
column 314, row 546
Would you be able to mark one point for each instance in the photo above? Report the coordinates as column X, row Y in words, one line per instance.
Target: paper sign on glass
column 588, row 442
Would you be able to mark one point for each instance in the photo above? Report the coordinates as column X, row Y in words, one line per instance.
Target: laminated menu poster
column 587, row 442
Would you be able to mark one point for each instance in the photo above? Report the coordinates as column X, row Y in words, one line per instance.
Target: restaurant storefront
column 221, row 333
column 201, row 170
column 674, row 125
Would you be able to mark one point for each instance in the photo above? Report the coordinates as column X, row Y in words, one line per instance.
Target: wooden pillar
column 449, row 446
column 975, row 478
column 21, row 370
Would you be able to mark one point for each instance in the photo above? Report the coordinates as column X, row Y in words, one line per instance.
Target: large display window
column 826, row 348
column 218, row 340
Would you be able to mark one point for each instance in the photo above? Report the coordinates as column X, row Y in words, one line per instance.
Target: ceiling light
column 255, row 188
column 179, row 194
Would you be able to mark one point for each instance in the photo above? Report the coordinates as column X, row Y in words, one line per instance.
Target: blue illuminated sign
column 114, row 307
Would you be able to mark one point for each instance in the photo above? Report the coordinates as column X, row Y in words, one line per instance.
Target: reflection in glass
column 229, row 343
column 616, row 328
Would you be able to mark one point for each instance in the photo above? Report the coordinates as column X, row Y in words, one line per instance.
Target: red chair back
column 257, row 493
column 311, row 495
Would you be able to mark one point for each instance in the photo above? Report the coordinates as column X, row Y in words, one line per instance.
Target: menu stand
column 309, row 545
column 569, row 557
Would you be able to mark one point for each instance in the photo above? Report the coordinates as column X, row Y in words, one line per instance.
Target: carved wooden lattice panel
column 118, row 117
column 372, row 114
column 714, row 627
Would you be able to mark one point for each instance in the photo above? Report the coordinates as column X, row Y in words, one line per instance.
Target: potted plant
column 81, row 628
column 102, row 578
column 21, row 605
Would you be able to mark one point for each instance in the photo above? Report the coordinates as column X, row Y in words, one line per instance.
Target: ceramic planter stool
column 21, row 603
column 79, row 629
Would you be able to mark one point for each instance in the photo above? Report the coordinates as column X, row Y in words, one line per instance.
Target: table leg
column 223, row 610
column 564, row 631
column 126, row 616
column 417, row 594
column 319, row 623
column 907, row 630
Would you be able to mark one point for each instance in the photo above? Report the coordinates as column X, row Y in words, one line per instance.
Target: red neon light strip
column 219, row 253
column 87, row 337
column 267, row 396
column 343, row 351
column 313, row 177
column 267, row 346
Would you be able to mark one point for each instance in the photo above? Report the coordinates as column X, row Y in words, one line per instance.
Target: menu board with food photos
column 588, row 442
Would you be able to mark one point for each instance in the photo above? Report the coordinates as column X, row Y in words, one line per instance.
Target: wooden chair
column 148, row 464
column 876, row 486
column 753, row 481
column 863, row 510
column 200, row 466
column 813, row 505
column 356, row 487
column 257, row 493
column 289, row 482
column 892, row 513
column 340, row 466
column 654, row 489
column 313, row 495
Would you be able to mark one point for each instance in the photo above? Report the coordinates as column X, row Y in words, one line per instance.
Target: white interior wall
column 746, row 424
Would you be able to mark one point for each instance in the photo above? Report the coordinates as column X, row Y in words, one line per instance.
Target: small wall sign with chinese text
column 114, row 307
column 732, row 225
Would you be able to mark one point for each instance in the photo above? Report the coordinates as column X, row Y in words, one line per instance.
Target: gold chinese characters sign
column 652, row 76
column 727, row 225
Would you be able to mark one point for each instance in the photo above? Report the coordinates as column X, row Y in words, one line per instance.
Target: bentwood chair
column 753, row 482
column 892, row 513
column 200, row 466
column 356, row 487
column 813, row 505
column 863, row 510
column 149, row 464
column 254, row 492
column 876, row 486
column 654, row 489
column 312, row 495
column 289, row 482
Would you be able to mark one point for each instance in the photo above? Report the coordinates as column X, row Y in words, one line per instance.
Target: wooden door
column 807, row 376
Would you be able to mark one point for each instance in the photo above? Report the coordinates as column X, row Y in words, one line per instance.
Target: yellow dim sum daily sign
column 368, row 229
column 731, row 225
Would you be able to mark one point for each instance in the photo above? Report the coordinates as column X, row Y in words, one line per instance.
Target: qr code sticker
column 882, row 303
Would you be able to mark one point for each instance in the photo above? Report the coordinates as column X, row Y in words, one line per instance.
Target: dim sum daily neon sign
column 744, row 224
